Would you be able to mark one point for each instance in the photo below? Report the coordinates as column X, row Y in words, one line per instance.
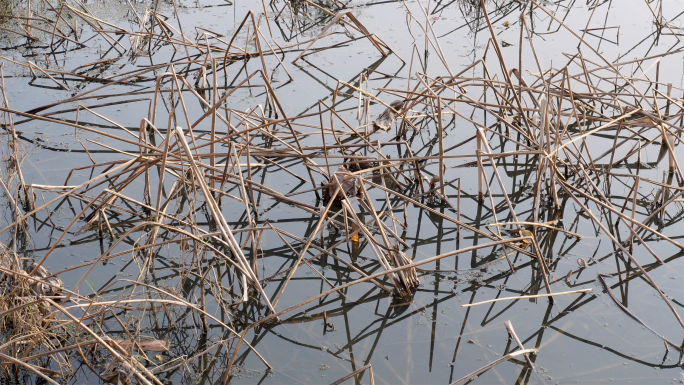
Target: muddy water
column 432, row 340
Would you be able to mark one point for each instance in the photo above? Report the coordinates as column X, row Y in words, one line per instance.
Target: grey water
column 432, row 340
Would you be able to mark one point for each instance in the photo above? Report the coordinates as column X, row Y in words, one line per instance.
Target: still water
column 581, row 338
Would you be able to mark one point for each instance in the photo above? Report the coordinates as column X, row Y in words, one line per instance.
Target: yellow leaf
column 355, row 237
column 526, row 233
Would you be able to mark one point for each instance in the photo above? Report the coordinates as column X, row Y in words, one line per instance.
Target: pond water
column 427, row 339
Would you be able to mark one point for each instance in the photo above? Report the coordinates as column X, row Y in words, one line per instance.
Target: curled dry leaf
column 151, row 345
column 350, row 184
column 387, row 117
column 45, row 283
column 118, row 372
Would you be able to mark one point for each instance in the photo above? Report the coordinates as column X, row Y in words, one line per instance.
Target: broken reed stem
column 526, row 297
column 491, row 365
column 511, row 332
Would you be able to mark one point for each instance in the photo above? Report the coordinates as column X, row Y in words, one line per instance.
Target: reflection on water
column 110, row 70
